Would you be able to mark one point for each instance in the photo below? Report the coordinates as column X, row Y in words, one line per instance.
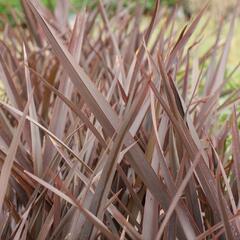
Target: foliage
column 111, row 131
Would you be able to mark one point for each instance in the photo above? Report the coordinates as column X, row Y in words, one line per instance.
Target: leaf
column 181, row 211
column 8, row 162
column 178, row 196
column 35, row 134
column 23, row 222
column 235, row 149
column 57, row 125
column 228, row 229
column 105, row 181
column 9, row 84
column 73, row 202
column 47, row 131
column 184, row 37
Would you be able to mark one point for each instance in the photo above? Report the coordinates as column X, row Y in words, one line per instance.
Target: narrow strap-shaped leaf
column 35, row 134
column 8, row 163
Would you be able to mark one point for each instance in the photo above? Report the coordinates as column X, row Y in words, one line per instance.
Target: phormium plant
column 108, row 131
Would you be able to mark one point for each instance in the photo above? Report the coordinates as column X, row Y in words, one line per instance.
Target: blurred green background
column 5, row 5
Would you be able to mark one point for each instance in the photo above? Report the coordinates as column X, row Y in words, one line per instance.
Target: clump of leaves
column 102, row 138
